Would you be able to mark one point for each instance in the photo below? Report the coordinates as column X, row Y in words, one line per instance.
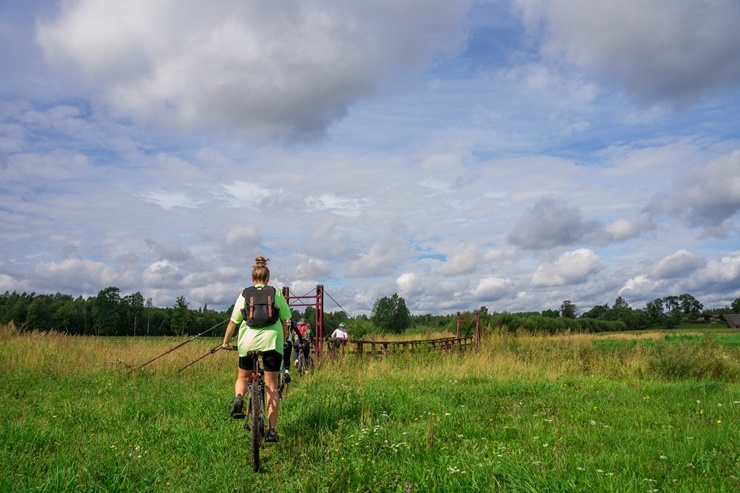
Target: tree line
column 110, row 313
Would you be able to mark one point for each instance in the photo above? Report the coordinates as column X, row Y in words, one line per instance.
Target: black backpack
column 259, row 306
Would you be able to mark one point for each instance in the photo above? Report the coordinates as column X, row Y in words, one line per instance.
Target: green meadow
column 651, row 411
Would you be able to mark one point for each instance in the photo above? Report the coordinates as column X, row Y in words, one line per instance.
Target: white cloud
column 74, row 273
column 463, row 260
column 657, row 50
column 571, row 268
column 708, row 196
column 623, row 229
column 246, row 194
column 640, row 287
column 492, row 289
column 721, row 274
column 409, row 285
column 549, row 223
column 274, row 68
column 161, row 274
column 679, row 264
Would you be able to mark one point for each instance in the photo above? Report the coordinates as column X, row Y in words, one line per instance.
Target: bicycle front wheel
column 255, row 398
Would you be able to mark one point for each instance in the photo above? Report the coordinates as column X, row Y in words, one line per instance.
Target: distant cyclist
column 268, row 340
column 303, row 330
column 290, row 346
column 339, row 336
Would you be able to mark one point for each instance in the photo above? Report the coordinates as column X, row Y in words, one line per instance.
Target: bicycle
column 255, row 417
column 302, row 363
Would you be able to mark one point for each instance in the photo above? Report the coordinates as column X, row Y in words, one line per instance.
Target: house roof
column 733, row 320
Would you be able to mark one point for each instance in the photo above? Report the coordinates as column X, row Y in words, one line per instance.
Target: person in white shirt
column 339, row 336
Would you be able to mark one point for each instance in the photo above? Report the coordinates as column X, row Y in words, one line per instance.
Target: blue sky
column 507, row 153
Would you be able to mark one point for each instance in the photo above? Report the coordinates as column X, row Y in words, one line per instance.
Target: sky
column 510, row 154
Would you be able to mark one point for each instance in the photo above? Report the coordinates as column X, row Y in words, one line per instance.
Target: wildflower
column 663, row 457
column 719, row 421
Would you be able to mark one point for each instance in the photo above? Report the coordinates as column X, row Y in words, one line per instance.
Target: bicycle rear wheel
column 302, row 366
column 255, row 398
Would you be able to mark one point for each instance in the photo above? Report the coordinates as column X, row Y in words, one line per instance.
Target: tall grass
column 524, row 413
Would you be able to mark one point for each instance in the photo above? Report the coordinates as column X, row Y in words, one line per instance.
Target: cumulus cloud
column 272, row 68
column 162, row 274
column 242, row 237
column 724, row 273
column 639, row 287
column 380, row 259
column 624, row 229
column 679, row 264
column 72, row 273
column 409, row 285
column 707, row 197
column 656, row 50
column 571, row 268
column 549, row 223
column 310, row 269
column 492, row 289
column 462, row 261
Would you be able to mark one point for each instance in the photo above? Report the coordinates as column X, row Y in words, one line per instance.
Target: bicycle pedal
column 238, row 415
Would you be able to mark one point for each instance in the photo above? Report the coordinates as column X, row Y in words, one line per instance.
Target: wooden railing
column 361, row 347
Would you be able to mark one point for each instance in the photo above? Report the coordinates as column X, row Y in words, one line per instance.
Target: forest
column 110, row 313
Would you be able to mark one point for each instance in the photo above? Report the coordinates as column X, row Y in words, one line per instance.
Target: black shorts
column 271, row 361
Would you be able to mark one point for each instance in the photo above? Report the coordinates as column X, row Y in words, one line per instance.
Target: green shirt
column 268, row 338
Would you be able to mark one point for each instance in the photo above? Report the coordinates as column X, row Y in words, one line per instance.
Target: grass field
column 643, row 412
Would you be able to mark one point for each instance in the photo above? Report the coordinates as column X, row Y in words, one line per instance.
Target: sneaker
column 271, row 435
column 286, row 377
column 237, row 408
column 296, row 363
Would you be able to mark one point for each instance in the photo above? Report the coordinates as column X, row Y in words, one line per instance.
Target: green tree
column 596, row 312
column 568, row 309
column 181, row 316
column 690, row 306
column 550, row 313
column 391, row 314
column 736, row 305
column 654, row 310
column 620, row 304
column 672, row 305
column 38, row 316
column 105, row 312
column 133, row 305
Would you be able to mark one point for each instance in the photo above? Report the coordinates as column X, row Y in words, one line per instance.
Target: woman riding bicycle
column 268, row 340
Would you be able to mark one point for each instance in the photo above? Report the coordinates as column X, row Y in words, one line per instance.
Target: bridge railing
column 370, row 347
